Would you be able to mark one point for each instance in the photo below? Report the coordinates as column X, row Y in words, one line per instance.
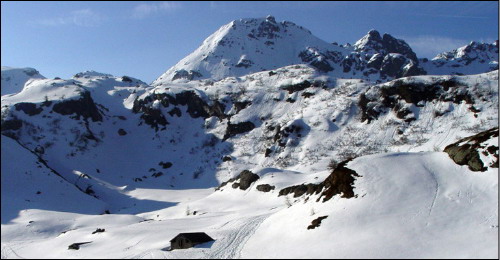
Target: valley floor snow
column 408, row 205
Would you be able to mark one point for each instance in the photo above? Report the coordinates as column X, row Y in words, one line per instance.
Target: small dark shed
column 187, row 240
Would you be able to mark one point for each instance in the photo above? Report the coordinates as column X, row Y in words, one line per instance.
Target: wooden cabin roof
column 200, row 237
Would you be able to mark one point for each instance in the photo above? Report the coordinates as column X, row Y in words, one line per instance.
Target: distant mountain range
column 251, row 45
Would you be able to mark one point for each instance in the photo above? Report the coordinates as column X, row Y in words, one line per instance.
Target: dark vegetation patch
column 316, row 222
column 245, row 178
column 468, row 152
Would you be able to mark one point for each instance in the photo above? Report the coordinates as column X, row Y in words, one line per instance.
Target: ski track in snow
column 7, row 251
column 436, row 192
column 230, row 247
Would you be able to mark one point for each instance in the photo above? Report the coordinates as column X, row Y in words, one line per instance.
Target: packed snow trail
column 230, row 247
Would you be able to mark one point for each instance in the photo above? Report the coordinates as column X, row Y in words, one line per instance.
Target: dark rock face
column 299, row 190
column 175, row 111
column 126, row 79
column 28, row 108
column 165, row 165
column 267, row 29
column 83, row 107
column 154, row 118
column 246, row 178
column 388, row 97
column 265, row 187
column 76, row 246
column 391, row 65
column 122, row 132
column 290, row 134
column 239, row 128
column 375, row 61
column 183, row 74
column 393, row 45
column 297, row 87
column 340, row 181
column 196, row 107
column 241, row 105
column 466, row 151
column 316, row 59
column 385, row 45
column 11, row 125
column 316, row 222
column 99, row 230
column 392, row 57
column 244, row 63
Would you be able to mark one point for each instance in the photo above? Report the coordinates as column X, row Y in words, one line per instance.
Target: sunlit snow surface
column 409, row 204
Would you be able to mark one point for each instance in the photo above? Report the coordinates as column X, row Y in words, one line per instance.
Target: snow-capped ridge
column 91, row 73
column 473, row 58
column 245, row 46
column 14, row 79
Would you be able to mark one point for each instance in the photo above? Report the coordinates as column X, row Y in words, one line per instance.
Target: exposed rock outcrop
column 242, row 181
column 468, row 151
column 340, row 181
column 83, row 107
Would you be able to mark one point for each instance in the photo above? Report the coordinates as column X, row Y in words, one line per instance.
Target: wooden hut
column 188, row 240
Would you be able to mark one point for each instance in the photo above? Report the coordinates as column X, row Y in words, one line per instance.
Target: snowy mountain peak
column 270, row 18
column 251, row 45
column 472, row 51
column 245, row 46
column 472, row 58
column 373, row 43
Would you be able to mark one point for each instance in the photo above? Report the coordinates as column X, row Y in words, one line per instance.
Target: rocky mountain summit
column 251, row 45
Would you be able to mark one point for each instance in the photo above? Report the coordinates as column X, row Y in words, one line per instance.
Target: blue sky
column 144, row 39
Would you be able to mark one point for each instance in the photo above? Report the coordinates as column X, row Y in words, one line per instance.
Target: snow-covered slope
column 408, row 205
column 152, row 156
column 13, row 79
